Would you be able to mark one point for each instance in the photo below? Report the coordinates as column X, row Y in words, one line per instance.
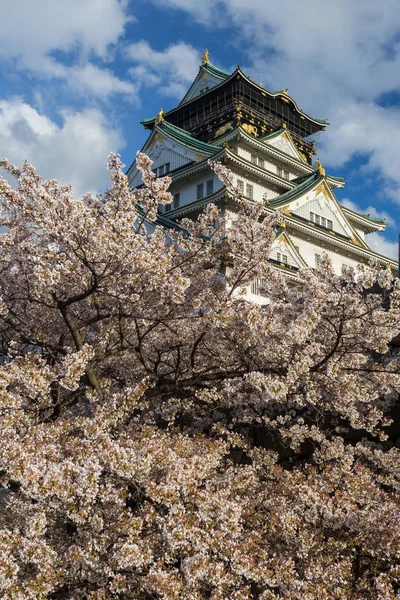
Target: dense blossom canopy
column 163, row 438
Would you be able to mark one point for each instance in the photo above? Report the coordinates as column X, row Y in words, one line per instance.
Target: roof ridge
column 213, row 70
column 273, row 134
column 364, row 216
column 185, row 137
column 322, row 122
column 308, row 182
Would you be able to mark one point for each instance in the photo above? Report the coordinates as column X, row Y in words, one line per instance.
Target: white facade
column 272, row 170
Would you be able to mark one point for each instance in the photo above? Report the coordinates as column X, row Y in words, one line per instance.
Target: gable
column 203, row 82
column 284, row 143
column 318, row 204
column 284, row 252
column 163, row 150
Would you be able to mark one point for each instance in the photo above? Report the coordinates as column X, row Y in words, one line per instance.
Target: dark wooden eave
column 238, row 100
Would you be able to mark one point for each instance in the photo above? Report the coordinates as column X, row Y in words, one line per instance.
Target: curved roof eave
column 374, row 224
column 319, row 122
column 286, row 96
column 187, row 139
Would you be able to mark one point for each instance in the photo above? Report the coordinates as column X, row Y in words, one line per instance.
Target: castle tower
column 264, row 139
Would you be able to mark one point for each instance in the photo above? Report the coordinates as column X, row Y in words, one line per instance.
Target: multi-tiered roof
column 216, row 98
column 221, row 113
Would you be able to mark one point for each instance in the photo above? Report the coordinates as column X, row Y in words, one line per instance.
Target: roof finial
column 159, row 117
column 286, row 91
column 319, row 168
column 284, row 125
column 206, row 58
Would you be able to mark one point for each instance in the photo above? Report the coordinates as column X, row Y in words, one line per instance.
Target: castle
column 265, row 139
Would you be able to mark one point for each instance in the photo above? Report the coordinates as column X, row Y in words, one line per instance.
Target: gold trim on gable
column 157, row 138
column 322, row 188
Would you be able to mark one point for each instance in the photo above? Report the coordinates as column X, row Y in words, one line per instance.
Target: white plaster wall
column 206, row 80
column 323, row 209
column 308, row 249
column 188, row 189
column 280, row 246
column 161, row 154
column 284, row 146
column 269, row 165
column 360, row 232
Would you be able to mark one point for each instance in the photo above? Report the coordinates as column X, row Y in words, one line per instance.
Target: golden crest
column 206, row 58
column 160, row 117
column 322, row 189
column 286, row 211
column 319, row 168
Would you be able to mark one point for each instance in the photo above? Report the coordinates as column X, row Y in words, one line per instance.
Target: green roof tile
column 270, row 136
column 215, row 71
column 378, row 221
column 186, row 138
column 305, row 184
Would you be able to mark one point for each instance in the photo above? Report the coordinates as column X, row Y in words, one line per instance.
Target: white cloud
column 91, row 80
column 171, row 70
column 74, row 152
column 35, row 34
column 378, row 243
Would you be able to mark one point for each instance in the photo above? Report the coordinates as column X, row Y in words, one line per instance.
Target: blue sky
column 76, row 77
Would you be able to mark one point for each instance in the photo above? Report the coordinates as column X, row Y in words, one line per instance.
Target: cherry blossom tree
column 163, row 438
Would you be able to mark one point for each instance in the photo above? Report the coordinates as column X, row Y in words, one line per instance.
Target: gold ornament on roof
column 160, row 117
column 286, row 91
column 286, row 211
column 260, row 85
column 250, row 129
column 319, row 168
column 206, row 58
column 355, row 241
column 223, row 129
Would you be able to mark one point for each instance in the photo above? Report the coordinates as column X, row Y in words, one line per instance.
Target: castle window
column 162, row 170
column 261, row 163
column 200, row 191
column 322, row 221
column 279, row 171
column 286, row 174
column 210, row 187
column 282, row 258
column 257, row 287
column 249, row 191
column 177, row 200
column 167, row 208
column 254, row 159
column 240, row 186
column 317, row 260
